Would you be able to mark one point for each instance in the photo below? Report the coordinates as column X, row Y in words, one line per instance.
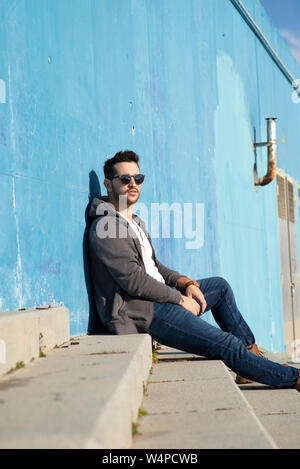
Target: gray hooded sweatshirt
column 123, row 291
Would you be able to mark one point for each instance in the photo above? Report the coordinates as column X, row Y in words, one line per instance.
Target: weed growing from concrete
column 154, row 357
column 19, row 365
column 142, row 412
column 134, row 428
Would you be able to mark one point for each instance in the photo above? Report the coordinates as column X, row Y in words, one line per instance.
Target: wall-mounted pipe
column 257, row 31
column 266, row 44
column 272, row 147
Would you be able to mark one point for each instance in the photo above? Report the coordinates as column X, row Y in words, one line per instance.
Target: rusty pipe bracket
column 272, row 148
column 263, row 144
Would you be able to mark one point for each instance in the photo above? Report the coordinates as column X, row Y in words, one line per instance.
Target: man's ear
column 107, row 184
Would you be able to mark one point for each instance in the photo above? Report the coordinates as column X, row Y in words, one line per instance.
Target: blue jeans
column 175, row 327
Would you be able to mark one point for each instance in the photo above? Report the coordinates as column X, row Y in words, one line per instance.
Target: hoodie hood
column 101, row 206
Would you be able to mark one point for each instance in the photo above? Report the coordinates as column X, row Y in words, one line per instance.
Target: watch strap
column 192, row 282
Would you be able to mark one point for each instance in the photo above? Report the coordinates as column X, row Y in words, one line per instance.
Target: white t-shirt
column 149, row 263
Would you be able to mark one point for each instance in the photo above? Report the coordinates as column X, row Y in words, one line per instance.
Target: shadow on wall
column 94, row 324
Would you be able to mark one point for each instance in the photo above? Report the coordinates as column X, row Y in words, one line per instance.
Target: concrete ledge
column 113, row 428
column 83, row 394
column 24, row 334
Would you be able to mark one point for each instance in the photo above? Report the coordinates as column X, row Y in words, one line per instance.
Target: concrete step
column 87, row 393
column 277, row 409
column 279, row 412
column 193, row 402
column 25, row 334
column 83, row 394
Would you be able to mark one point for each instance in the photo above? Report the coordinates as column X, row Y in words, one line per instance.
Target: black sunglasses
column 126, row 178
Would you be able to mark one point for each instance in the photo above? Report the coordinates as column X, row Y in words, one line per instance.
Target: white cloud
column 293, row 42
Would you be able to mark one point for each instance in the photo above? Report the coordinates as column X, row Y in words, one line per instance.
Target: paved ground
column 193, row 402
column 277, row 409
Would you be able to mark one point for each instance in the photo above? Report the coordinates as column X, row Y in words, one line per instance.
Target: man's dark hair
column 120, row 157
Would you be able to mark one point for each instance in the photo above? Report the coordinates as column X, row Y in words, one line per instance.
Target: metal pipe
column 272, row 147
column 255, row 28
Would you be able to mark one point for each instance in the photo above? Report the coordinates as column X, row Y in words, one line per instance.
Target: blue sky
column 285, row 14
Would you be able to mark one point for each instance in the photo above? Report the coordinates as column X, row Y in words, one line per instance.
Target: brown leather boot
column 253, row 349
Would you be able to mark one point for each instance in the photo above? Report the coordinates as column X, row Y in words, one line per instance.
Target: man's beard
column 121, row 200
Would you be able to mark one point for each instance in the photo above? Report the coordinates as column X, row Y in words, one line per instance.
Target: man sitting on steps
column 135, row 293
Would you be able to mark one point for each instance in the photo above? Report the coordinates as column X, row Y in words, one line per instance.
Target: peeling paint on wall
column 18, row 275
column 50, row 267
column 2, row 92
column 11, row 113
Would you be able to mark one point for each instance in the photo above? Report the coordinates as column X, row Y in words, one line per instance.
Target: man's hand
column 190, row 305
column 194, row 292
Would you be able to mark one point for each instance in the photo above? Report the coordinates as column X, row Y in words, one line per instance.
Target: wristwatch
column 192, row 282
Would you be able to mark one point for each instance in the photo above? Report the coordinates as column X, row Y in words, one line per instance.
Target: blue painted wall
column 182, row 83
